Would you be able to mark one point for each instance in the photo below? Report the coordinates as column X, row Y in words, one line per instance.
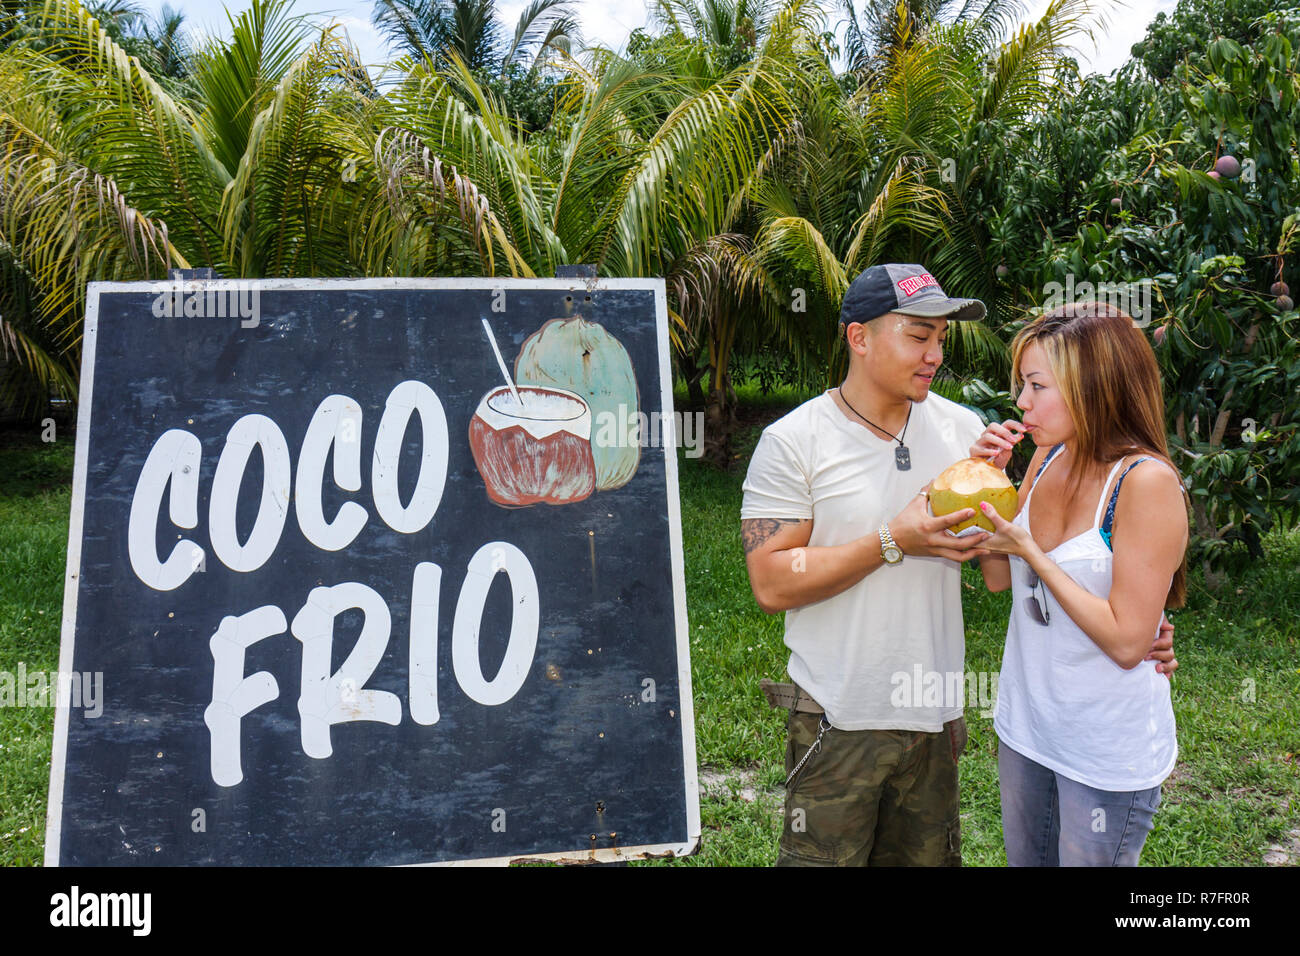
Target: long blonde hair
column 1111, row 386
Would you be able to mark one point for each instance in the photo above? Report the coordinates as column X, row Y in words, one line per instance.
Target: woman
column 1084, row 721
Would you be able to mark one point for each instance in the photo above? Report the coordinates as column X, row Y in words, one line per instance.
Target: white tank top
column 1061, row 701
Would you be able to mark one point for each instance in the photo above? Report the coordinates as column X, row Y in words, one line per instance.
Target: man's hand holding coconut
column 918, row 532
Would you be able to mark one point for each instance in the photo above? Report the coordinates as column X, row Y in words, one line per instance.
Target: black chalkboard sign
column 362, row 592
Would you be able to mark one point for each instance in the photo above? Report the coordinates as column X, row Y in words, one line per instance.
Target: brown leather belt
column 790, row 697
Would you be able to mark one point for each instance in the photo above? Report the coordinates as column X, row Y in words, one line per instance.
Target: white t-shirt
column 889, row 652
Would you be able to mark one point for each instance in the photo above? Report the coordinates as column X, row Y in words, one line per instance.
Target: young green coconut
column 965, row 485
column 582, row 357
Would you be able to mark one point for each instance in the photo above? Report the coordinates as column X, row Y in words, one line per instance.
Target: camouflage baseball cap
column 904, row 288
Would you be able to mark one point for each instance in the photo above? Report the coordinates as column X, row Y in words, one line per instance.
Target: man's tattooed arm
column 756, row 531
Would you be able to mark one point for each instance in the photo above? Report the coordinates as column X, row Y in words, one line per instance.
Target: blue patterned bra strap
column 1050, row 455
column 1109, row 520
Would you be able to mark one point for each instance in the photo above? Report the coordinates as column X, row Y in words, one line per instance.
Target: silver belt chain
column 822, row 727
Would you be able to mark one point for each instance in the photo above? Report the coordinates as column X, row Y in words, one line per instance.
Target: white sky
column 609, row 22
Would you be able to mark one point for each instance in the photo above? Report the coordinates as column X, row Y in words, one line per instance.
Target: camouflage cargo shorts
column 872, row 797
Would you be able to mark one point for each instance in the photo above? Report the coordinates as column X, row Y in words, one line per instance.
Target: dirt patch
column 740, row 784
column 1179, row 779
column 1284, row 854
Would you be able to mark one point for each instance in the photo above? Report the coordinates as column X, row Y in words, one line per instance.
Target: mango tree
column 1186, row 197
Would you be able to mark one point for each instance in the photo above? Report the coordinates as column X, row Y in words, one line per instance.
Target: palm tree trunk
column 693, row 374
column 720, row 407
column 720, row 420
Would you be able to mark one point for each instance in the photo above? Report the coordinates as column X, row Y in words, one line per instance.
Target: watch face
column 893, row 555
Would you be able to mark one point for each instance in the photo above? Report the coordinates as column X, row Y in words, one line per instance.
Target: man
column 837, row 533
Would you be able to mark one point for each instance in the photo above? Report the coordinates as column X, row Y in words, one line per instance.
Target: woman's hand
column 1007, row 538
column 997, row 441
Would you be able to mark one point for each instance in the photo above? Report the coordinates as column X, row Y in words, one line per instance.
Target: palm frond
column 236, row 80
column 541, row 24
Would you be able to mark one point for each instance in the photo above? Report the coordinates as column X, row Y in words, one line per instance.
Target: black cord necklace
column 902, row 458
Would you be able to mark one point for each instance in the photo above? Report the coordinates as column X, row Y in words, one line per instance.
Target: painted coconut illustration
column 534, row 448
column 581, row 357
column 965, row 485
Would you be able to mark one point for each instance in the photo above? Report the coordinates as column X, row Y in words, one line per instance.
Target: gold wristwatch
column 890, row 551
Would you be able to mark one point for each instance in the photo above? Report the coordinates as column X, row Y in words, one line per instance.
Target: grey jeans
column 1051, row 820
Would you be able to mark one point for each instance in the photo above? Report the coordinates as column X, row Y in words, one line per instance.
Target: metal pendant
column 902, row 458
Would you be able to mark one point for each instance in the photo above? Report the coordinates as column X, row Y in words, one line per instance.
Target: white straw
column 492, row 340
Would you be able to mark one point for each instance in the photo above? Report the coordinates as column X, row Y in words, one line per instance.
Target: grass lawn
column 1234, row 798
column 35, row 491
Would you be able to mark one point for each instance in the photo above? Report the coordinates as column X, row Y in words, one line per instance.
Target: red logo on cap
column 914, row 284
